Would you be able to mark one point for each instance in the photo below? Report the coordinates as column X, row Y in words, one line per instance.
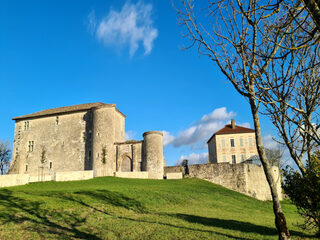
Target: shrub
column 304, row 191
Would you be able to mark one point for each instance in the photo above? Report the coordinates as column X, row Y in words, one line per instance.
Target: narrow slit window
column 57, row 120
column 26, row 168
column 50, row 165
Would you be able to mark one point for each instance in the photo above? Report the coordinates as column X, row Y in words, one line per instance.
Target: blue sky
column 60, row 53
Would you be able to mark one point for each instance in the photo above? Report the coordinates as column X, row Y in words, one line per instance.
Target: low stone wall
column 245, row 178
column 13, row 180
column 174, row 175
column 144, row 175
column 43, row 178
column 73, row 175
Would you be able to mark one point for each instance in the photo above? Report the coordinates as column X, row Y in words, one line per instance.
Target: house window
column 26, row 168
column 242, row 157
column 31, row 146
column 250, row 142
column 234, row 161
column 223, row 143
column 232, row 142
column 26, row 125
column 57, row 120
column 50, row 165
column 241, row 142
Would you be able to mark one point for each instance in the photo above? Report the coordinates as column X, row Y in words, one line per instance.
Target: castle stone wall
column 153, row 154
column 63, row 142
column 13, row 180
column 245, row 178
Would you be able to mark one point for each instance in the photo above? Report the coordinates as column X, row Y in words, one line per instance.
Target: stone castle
column 82, row 137
column 88, row 140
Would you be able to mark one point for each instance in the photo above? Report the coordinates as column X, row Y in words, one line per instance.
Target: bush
column 304, row 191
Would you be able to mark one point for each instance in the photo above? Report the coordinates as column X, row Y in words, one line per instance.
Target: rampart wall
column 245, row 178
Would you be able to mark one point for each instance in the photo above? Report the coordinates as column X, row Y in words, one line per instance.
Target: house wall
column 224, row 153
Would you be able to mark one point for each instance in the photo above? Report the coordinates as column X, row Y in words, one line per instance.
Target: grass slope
column 115, row 208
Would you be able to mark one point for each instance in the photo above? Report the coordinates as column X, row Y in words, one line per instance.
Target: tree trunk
column 313, row 7
column 280, row 220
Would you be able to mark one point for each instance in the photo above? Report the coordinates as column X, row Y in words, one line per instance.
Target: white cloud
column 268, row 142
column 130, row 135
column 167, row 138
column 199, row 133
column 129, row 27
column 194, row 158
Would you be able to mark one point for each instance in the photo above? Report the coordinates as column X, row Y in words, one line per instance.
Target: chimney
column 233, row 124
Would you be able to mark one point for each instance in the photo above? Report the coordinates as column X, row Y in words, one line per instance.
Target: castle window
column 27, row 168
column 250, row 142
column 223, row 143
column 31, row 146
column 234, row 161
column 50, row 165
column 84, row 136
column 232, row 142
column 241, row 142
column 26, row 125
column 57, row 120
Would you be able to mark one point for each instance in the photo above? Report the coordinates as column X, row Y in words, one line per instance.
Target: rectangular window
column 250, row 142
column 242, row 157
column 26, row 168
column 26, row 125
column 31, row 146
column 241, row 142
column 50, row 165
column 223, row 143
column 232, row 142
column 57, row 120
column 84, row 136
column 234, row 161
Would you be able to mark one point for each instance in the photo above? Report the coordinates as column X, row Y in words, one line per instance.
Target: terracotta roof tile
column 68, row 109
column 229, row 130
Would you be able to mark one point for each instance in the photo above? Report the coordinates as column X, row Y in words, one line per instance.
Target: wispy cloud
column 194, row 158
column 130, row 135
column 131, row 26
column 198, row 133
column 269, row 142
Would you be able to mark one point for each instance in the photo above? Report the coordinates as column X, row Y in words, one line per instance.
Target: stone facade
column 82, row 137
column 232, row 144
column 245, row 178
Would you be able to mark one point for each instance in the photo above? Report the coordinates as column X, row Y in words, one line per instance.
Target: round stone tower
column 153, row 154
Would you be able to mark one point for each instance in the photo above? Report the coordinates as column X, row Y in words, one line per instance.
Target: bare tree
column 243, row 38
column 4, row 156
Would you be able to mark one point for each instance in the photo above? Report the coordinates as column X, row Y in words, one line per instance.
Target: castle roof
column 228, row 129
column 68, row 109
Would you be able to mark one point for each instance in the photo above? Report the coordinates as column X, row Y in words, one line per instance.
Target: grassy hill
column 115, row 208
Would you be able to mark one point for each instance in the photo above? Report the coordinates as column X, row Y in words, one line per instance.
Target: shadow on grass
column 62, row 224
column 245, row 227
column 68, row 225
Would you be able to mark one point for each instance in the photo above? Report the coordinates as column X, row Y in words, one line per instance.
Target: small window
column 84, row 136
column 31, row 146
column 57, row 120
column 223, row 143
column 50, row 165
column 234, row 160
column 242, row 157
column 26, row 125
column 250, row 142
column 241, row 142
column 232, row 142
column 26, row 168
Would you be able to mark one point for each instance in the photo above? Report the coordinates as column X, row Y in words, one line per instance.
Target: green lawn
column 115, row 208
